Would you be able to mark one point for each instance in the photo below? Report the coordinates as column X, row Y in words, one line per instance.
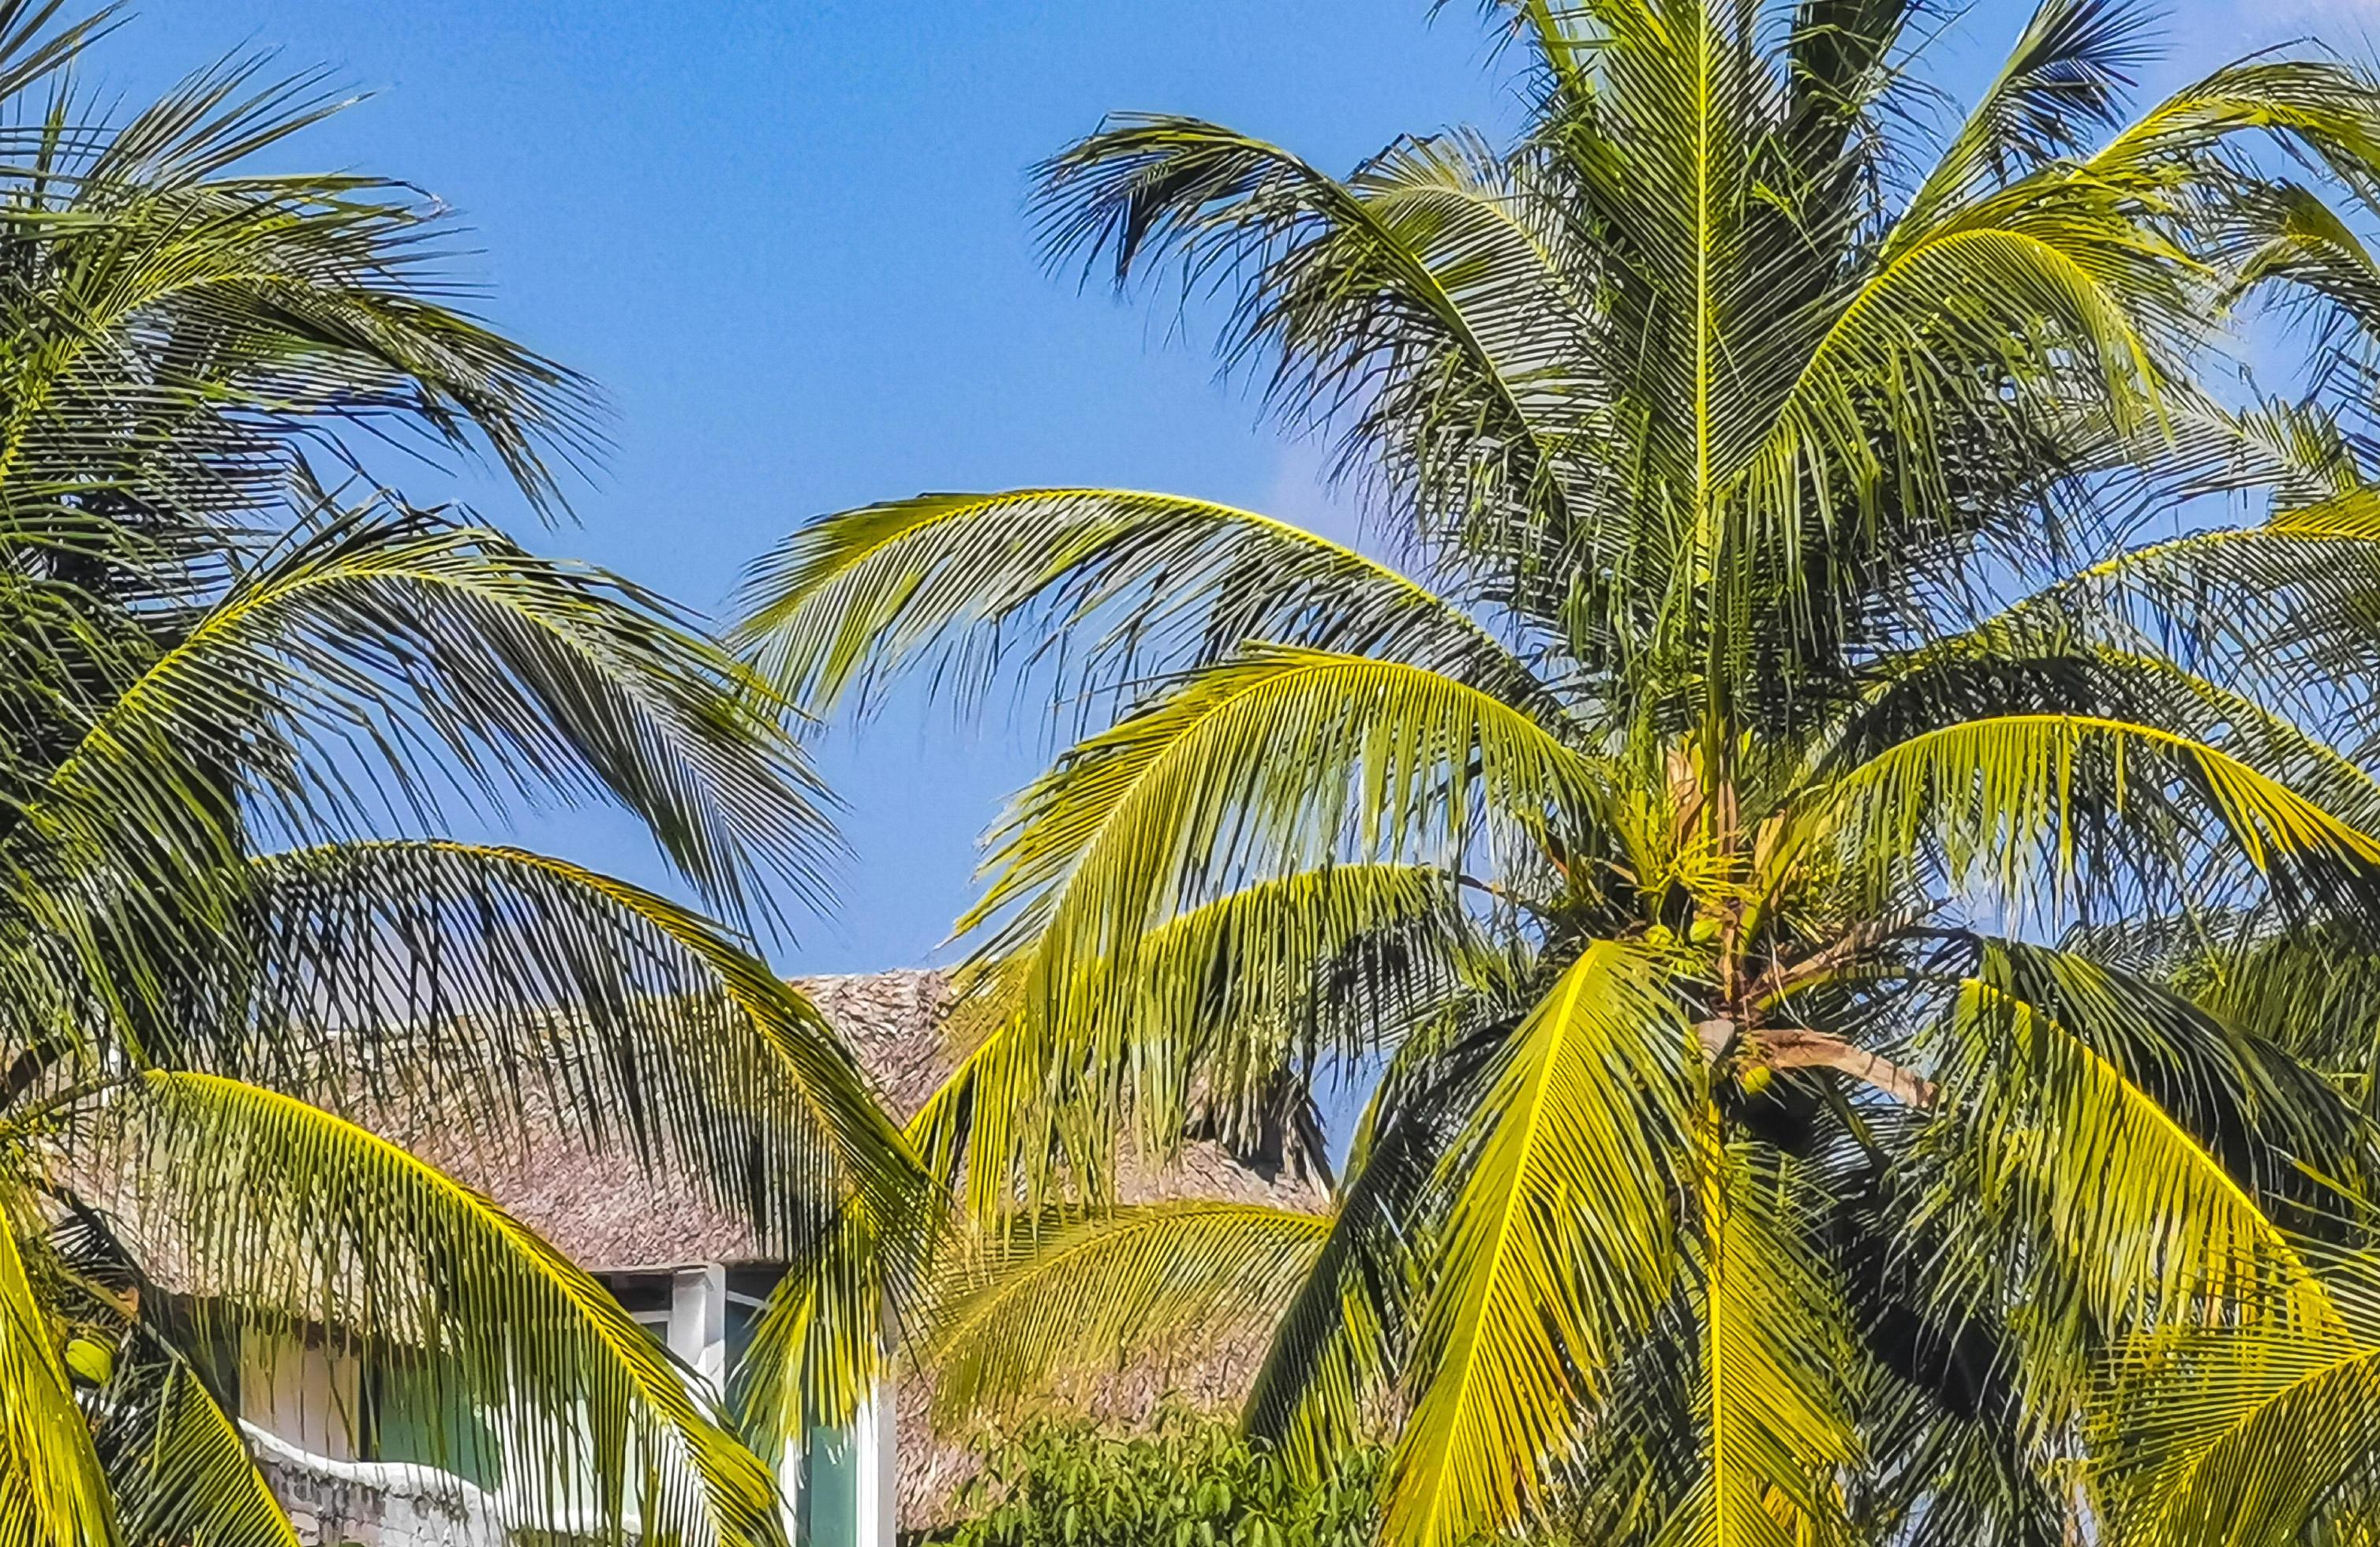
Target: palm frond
column 2064, row 78
column 1559, row 1249
column 1334, row 1354
column 393, row 651
column 502, row 994
column 2129, row 1200
column 1773, row 1402
column 53, row 1492
column 1104, row 584
column 1222, row 1004
column 2255, row 1434
column 1041, row 1309
column 299, row 1216
column 181, row 1468
column 2010, row 801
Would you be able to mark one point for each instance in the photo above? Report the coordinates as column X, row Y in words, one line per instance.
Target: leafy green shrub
column 1188, row 1481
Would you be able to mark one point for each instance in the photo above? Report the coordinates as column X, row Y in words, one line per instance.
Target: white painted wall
column 301, row 1391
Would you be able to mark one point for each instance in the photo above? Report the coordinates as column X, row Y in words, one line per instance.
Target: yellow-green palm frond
column 378, row 666
column 179, row 323
column 293, row 1214
column 1772, row 1397
column 181, row 1468
column 2064, row 78
column 1257, row 769
column 825, row 1339
column 2279, row 611
column 2010, row 803
column 502, row 994
column 1334, row 1353
column 1277, row 760
column 2253, row 1432
column 1132, row 580
column 2044, row 1084
column 1221, row 1003
column 1559, row 1246
column 2094, row 668
column 1042, row 1310
column 2326, row 106
column 1428, row 288
column 53, row 1490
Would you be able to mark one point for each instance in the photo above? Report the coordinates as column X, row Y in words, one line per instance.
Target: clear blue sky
column 787, row 240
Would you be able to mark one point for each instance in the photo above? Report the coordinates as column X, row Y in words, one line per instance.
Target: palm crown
column 1676, row 834
column 233, row 707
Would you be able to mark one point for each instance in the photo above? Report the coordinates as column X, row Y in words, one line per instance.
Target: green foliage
column 1186, row 1480
column 236, row 710
column 1762, row 667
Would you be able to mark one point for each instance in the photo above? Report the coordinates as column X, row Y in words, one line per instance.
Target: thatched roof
column 608, row 1213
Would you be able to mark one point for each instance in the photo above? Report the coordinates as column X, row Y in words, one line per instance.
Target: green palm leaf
column 2008, row 799
column 52, row 1491
column 1774, row 1408
column 299, row 1215
column 1557, row 1252
column 850, row 601
column 1039, row 1310
column 181, row 1468
column 2130, row 1202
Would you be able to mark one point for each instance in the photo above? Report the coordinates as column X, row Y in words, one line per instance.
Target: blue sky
column 787, row 240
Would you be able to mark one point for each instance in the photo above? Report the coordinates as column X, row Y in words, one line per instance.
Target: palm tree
column 1780, row 851
column 234, row 706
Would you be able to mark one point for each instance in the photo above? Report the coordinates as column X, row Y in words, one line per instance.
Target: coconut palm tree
column 1780, row 848
column 234, row 707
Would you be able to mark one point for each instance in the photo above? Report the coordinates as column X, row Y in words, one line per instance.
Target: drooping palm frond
column 180, row 1466
column 474, row 982
column 186, row 329
column 2253, row 1433
column 1270, row 983
column 958, row 580
column 1772, row 1397
column 298, row 1216
column 2151, row 1223
column 2011, row 800
column 1111, row 1289
column 1335, row 1354
column 322, row 690
column 52, row 1490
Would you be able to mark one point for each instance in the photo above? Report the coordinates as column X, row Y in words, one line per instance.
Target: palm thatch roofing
column 610, row 1214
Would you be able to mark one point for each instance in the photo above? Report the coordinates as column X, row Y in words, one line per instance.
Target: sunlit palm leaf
column 2009, row 800
column 462, row 985
column 52, row 1491
column 2134, row 1204
column 1037, row 1313
column 962, row 579
column 2255, row 1435
column 1773, row 1400
column 1559, row 1247
column 1221, row 1002
column 181, row 1468
column 293, row 1214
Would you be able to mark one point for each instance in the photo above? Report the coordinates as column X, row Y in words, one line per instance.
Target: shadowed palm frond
column 180, row 1466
